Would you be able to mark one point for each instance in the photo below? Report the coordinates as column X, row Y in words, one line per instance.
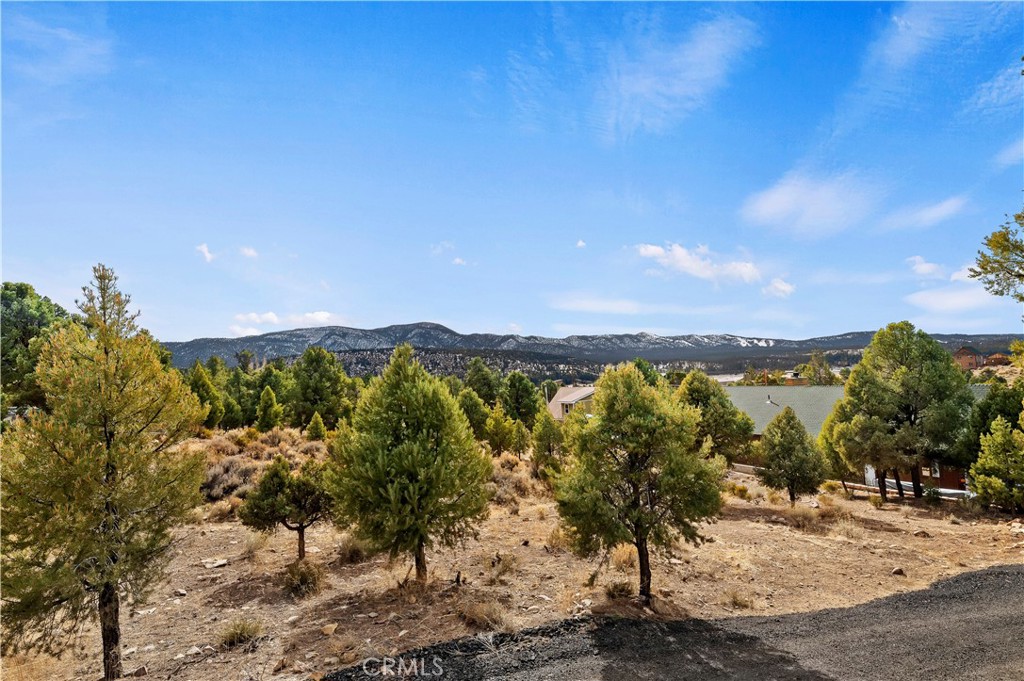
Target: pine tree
column 547, row 446
column 484, row 381
column 92, row 488
column 208, row 396
column 500, row 430
column 476, row 411
column 411, row 474
column 316, row 429
column 997, row 477
column 634, row 474
column 269, row 414
column 320, row 386
column 791, row 460
column 729, row 429
column 520, row 439
column 295, row 502
column 519, row 398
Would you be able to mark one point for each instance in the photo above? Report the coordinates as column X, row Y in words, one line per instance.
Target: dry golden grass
column 618, row 590
column 501, row 566
column 304, row 578
column 557, row 539
column 485, row 615
column 254, row 543
column 775, row 498
column 624, row 557
column 24, row 668
column 240, row 632
column 848, row 528
column 738, row 600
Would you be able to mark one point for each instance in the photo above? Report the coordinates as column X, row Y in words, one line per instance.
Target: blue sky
column 778, row 169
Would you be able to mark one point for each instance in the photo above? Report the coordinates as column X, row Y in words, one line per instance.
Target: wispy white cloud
column 923, row 268
column 576, row 301
column 249, row 252
column 700, row 262
column 458, row 261
column 952, row 299
column 319, row 318
column 237, row 330
column 204, row 250
column 1011, row 155
column 1000, row 94
column 962, row 274
column 258, row 318
column 922, row 217
column 812, row 206
column 653, row 82
column 514, row 328
column 442, row 247
column 54, row 55
column 778, row 288
column 581, row 244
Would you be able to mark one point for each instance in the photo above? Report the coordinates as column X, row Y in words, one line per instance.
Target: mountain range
column 703, row 348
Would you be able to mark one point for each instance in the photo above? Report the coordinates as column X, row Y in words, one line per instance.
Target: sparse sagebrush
column 876, row 501
column 221, row 446
column 738, row 599
column 775, row 497
column 557, row 540
column 486, row 616
column 232, row 475
column 502, row 565
column 624, row 557
column 831, row 487
column 803, row 518
column 353, row 550
column 243, row 631
column 618, row 590
column 303, row 578
column 254, row 543
column 848, row 528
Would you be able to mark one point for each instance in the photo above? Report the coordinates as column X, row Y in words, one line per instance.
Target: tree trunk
column 880, row 479
column 792, row 495
column 421, row 563
column 899, row 483
column 915, row 477
column 645, row 569
column 845, row 488
column 302, row 542
column 110, row 630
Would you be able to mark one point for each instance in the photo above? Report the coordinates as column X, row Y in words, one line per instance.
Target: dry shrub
column 558, row 540
column 254, row 543
column 876, row 501
column 826, row 501
column 196, row 516
column 775, row 497
column 304, row 578
column 617, row 590
column 502, row 565
column 624, row 557
column 738, row 599
column 314, row 450
column 541, row 512
column 509, row 485
column 242, row 631
column 508, row 461
column 352, row 550
column 513, row 509
column 848, row 528
column 803, row 518
column 243, row 437
column 486, row 616
column 221, row 446
column 831, row 487
column 223, row 510
column 830, row 513
column 232, row 475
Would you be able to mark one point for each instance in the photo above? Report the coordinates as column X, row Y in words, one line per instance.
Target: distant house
column 997, row 359
column 812, row 405
column 570, row 397
column 968, row 358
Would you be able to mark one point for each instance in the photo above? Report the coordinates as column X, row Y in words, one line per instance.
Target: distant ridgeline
column 578, row 358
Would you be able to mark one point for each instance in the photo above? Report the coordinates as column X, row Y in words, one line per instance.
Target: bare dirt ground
column 762, row 559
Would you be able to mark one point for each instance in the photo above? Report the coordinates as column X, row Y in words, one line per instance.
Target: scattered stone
column 402, row 633
column 372, row 614
column 194, row 650
column 587, row 602
column 293, row 618
column 329, row 629
column 675, row 561
column 209, row 649
column 210, row 563
column 129, row 651
column 179, row 656
column 331, row 660
column 281, row 665
column 313, row 549
column 141, row 671
column 923, row 534
column 180, row 592
column 310, row 655
column 148, row 648
column 898, row 571
column 147, row 611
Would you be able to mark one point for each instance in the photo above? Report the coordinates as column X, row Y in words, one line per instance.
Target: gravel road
column 966, row 627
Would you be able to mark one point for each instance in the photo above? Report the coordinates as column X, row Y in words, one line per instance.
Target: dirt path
column 965, row 627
